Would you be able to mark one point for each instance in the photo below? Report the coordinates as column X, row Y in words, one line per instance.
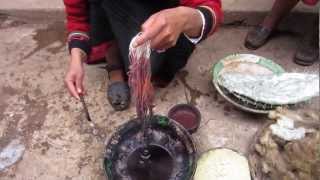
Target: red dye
column 186, row 118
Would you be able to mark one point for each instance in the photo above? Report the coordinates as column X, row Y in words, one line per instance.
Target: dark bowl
column 165, row 136
column 187, row 115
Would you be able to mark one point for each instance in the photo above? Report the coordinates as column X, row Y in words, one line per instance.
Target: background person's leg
column 126, row 18
column 308, row 50
column 280, row 9
column 258, row 36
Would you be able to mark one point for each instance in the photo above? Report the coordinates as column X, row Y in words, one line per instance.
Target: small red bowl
column 187, row 115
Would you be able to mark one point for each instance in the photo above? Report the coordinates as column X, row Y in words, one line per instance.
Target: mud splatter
column 37, row 91
column 10, row 131
column 84, row 161
column 194, row 93
column 6, row 22
column 43, row 146
column 164, row 96
column 25, row 83
column 36, row 112
column 3, row 107
column 8, row 90
column 3, row 17
column 220, row 102
column 175, row 83
column 55, row 32
column 215, row 96
column 3, row 104
column 66, row 108
column 227, row 110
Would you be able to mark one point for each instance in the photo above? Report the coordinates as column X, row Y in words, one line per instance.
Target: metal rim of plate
column 237, row 100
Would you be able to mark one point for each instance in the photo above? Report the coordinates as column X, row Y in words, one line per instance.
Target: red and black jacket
column 78, row 21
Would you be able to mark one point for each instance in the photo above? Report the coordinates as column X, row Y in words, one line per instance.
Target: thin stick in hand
column 85, row 109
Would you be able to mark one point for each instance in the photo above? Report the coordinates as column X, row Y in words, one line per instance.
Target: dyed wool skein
column 140, row 78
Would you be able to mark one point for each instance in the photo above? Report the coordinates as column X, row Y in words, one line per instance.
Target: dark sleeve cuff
column 208, row 21
column 81, row 44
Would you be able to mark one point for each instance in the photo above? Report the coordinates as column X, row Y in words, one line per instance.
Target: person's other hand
column 75, row 74
column 164, row 28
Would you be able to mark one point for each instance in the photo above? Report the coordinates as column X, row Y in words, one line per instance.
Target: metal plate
column 249, row 64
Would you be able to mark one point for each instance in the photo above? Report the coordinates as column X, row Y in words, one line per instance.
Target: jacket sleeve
column 310, row 2
column 77, row 14
column 214, row 6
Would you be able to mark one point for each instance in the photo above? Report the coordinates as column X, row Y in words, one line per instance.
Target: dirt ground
column 60, row 145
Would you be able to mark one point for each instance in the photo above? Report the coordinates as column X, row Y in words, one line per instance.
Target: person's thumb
column 79, row 85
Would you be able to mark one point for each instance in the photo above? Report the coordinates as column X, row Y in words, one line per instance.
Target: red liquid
column 185, row 118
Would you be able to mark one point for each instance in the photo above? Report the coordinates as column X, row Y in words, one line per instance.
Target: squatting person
column 103, row 29
column 308, row 51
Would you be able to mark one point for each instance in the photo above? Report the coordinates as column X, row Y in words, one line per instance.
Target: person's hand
column 75, row 74
column 164, row 28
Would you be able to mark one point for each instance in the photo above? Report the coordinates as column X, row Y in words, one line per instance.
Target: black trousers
column 121, row 20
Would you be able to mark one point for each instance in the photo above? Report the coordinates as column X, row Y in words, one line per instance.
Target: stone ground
column 36, row 108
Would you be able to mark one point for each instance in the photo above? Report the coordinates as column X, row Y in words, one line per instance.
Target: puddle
column 55, row 32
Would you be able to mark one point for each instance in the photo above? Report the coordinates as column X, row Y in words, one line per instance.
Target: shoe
column 308, row 51
column 257, row 37
column 118, row 92
column 306, row 54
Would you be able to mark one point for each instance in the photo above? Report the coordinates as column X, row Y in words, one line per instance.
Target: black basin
column 171, row 147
